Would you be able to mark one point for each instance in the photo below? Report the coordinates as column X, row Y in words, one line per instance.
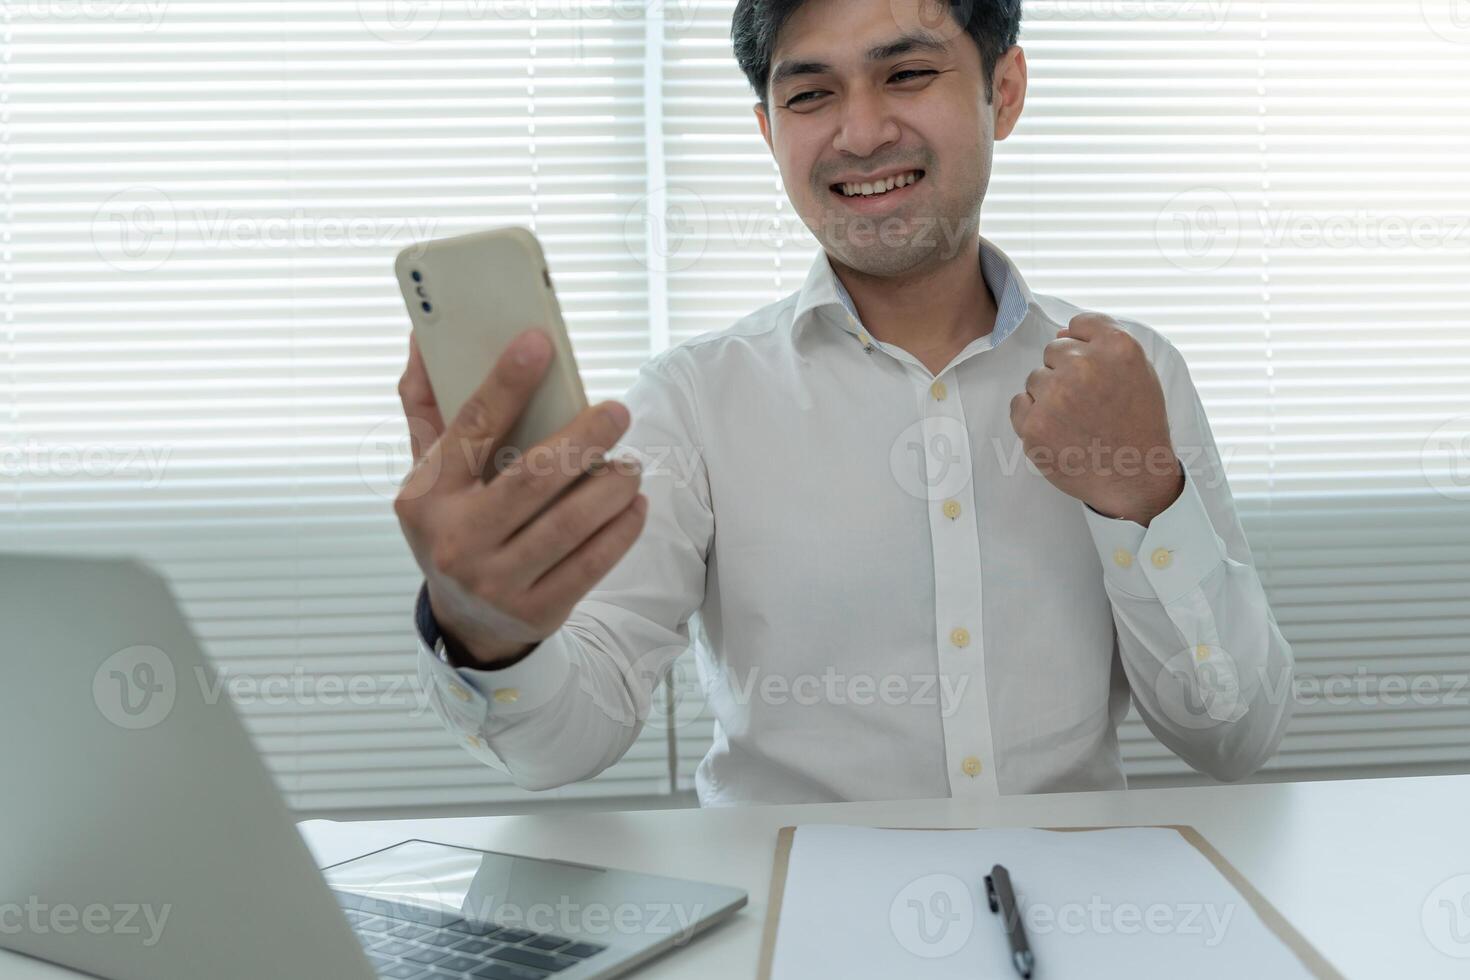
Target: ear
column 1010, row 92
column 765, row 125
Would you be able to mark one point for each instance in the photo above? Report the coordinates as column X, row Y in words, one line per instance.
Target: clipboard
column 1304, row 951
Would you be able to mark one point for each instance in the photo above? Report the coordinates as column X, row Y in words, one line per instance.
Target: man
column 932, row 529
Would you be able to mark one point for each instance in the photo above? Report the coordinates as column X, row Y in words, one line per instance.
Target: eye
column 906, row 75
column 801, row 97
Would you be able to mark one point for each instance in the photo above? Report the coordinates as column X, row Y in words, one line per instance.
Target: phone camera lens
column 417, row 275
column 427, row 307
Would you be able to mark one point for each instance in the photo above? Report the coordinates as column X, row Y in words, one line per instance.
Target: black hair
column 994, row 26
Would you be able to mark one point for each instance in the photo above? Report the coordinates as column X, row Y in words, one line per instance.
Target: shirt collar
column 823, row 292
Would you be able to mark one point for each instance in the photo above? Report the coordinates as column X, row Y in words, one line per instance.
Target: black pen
column 1003, row 900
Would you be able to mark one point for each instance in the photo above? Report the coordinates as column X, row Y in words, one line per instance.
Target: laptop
column 141, row 837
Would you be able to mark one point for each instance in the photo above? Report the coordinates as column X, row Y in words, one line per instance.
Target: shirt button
column 506, row 695
column 960, row 637
column 1123, row 558
column 939, row 391
column 1202, row 652
column 970, row 766
column 952, row 509
column 459, row 691
column 1161, row 557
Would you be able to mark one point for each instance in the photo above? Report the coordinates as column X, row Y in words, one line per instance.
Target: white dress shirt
column 889, row 600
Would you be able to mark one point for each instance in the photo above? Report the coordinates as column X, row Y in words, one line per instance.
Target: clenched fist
column 1093, row 421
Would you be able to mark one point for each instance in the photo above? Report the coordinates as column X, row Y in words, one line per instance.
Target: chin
column 878, row 259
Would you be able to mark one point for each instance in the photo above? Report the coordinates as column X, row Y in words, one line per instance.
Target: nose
column 866, row 124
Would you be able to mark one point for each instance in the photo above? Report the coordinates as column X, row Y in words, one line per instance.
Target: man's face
column 844, row 110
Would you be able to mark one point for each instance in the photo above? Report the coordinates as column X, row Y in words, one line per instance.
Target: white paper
column 1126, row 903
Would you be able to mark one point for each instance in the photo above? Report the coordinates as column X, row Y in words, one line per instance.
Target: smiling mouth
column 878, row 188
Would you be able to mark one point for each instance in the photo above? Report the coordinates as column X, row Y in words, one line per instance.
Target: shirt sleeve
column 1210, row 672
column 575, row 704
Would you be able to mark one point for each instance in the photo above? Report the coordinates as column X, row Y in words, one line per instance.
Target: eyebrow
column 908, row 42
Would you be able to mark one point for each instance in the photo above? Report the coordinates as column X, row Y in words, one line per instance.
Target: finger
column 527, row 486
column 575, row 576
column 1053, row 353
column 425, row 425
column 1087, row 326
column 471, row 440
column 1038, row 381
column 1020, row 408
column 575, row 518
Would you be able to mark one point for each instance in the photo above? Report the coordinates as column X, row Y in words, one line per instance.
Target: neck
column 933, row 313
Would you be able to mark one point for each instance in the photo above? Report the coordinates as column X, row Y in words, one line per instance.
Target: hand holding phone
column 509, row 552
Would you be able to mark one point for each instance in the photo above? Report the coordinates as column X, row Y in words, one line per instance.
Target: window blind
column 201, row 335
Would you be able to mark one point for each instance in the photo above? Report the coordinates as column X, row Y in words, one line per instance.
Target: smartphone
column 468, row 297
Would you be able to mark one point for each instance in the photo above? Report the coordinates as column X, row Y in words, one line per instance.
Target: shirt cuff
column 473, row 697
column 1168, row 558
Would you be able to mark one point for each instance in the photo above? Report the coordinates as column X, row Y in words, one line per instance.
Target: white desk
column 1350, row 863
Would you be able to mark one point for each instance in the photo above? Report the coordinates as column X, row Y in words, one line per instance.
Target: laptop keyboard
column 404, row 950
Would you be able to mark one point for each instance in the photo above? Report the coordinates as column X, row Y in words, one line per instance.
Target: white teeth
column 872, row 188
